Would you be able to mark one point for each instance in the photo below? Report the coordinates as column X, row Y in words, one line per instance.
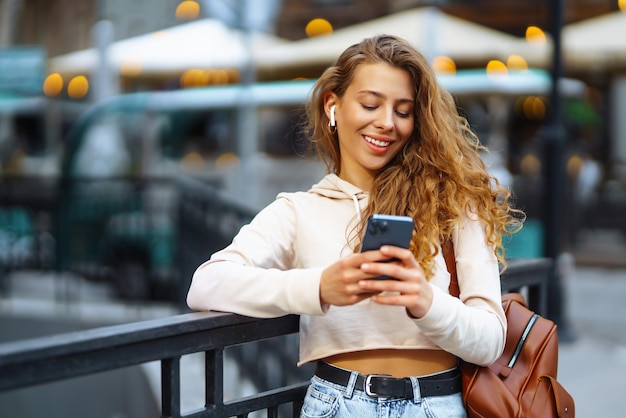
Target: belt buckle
column 368, row 383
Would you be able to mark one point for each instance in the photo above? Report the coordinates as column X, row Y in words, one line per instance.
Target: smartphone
column 387, row 230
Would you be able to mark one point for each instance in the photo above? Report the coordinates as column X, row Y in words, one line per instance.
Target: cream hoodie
column 274, row 264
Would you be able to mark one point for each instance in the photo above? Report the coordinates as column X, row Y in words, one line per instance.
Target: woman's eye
column 403, row 114
column 369, row 107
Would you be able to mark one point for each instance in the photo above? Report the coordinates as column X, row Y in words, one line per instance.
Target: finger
column 373, row 255
column 348, row 270
column 402, row 254
column 351, row 299
column 389, row 285
column 395, row 299
column 394, row 270
column 417, row 304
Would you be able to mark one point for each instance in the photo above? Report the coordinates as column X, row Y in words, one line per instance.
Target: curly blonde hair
column 439, row 177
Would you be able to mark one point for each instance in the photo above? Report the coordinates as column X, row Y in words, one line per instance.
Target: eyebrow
column 382, row 96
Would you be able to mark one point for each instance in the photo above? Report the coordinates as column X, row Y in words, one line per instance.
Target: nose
column 385, row 120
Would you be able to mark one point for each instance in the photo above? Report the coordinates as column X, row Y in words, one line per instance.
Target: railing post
column 170, row 387
column 297, row 408
column 214, row 377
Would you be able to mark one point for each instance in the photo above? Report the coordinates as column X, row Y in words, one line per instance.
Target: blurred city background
column 136, row 137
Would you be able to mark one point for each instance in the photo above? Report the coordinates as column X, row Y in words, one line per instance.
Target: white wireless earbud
column 332, row 116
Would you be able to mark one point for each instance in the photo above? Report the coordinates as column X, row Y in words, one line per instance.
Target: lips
column 377, row 142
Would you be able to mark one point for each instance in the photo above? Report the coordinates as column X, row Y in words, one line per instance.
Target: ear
column 330, row 102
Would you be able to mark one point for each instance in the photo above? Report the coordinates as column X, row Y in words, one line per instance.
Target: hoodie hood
column 334, row 187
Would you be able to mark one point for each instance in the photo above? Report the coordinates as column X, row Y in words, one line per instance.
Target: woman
column 393, row 143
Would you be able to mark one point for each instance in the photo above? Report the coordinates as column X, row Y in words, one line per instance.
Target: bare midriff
column 397, row 363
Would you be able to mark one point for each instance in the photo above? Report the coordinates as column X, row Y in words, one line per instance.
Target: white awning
column 596, row 43
column 203, row 44
column 428, row 29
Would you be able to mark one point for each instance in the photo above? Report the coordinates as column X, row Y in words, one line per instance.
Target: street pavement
column 592, row 367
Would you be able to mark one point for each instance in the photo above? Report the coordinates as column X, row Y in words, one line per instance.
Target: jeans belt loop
column 351, row 384
column 417, row 392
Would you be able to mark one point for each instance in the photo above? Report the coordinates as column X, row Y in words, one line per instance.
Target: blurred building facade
column 511, row 16
column 65, row 25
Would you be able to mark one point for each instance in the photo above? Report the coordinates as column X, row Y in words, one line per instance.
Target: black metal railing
column 41, row 360
column 31, row 362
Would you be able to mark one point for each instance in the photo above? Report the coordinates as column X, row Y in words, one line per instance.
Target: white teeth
column 377, row 142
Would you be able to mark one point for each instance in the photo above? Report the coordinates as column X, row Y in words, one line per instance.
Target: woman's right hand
column 339, row 284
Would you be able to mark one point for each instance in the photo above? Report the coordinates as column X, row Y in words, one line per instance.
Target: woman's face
column 375, row 118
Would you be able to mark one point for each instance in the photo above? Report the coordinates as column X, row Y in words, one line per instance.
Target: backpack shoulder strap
column 448, row 254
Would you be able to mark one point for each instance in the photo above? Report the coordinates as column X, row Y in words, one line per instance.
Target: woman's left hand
column 410, row 287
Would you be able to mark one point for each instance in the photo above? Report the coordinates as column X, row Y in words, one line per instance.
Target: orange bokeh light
column 535, row 35
column 318, row 27
column 496, row 69
column 533, row 108
column 516, row 63
column 53, row 85
column 188, row 9
column 78, row 87
column 444, row 65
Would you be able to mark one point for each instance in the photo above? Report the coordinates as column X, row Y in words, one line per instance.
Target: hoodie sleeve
column 254, row 275
column 473, row 326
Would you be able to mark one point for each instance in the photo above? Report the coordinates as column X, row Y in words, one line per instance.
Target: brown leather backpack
column 522, row 382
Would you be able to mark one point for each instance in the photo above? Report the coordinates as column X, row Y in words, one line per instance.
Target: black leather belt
column 379, row 386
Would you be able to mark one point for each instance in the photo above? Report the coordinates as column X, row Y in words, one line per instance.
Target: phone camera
column 375, row 227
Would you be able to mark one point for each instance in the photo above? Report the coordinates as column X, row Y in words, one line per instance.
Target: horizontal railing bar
column 266, row 399
column 525, row 272
column 256, row 402
column 119, row 335
column 71, row 355
column 533, row 274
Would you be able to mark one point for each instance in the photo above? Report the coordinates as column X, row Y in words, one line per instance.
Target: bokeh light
column 574, row 166
column 496, row 69
column 78, row 87
column 192, row 161
column 130, row 68
column 516, row 63
column 233, row 75
column 53, row 85
column 531, row 107
column 188, row 9
column 226, row 160
column 530, row 166
column 535, row 35
column 218, row 76
column 444, row 65
column 622, row 5
column 318, row 27
column 196, row 77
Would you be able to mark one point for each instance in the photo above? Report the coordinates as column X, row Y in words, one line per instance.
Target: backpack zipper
column 522, row 340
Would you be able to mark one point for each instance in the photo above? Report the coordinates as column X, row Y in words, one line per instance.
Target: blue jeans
column 326, row 399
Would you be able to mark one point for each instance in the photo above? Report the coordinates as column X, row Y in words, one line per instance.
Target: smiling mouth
column 377, row 142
